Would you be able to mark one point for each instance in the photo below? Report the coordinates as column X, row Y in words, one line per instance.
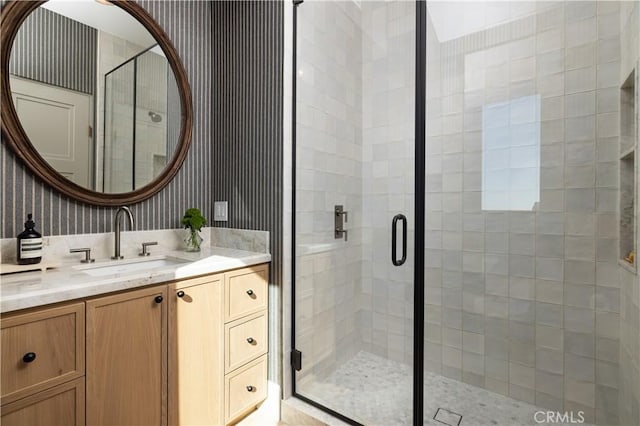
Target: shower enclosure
column 473, row 153
column 141, row 123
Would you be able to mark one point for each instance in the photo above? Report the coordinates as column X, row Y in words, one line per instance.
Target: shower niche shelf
column 628, row 190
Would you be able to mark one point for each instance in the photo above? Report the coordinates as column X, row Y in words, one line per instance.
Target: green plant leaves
column 193, row 219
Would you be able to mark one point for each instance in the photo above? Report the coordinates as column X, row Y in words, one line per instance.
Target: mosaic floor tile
column 376, row 391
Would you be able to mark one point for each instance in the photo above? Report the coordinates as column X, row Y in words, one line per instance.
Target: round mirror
column 94, row 98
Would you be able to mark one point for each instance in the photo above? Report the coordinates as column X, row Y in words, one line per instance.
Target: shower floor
column 377, row 391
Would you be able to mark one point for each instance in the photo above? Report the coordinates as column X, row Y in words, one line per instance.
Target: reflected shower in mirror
column 95, row 94
column 140, row 128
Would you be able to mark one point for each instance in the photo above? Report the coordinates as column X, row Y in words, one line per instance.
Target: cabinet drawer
column 245, row 291
column 62, row 405
column 41, row 349
column 245, row 339
column 245, row 388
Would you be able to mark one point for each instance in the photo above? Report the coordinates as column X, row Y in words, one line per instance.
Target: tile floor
column 376, row 391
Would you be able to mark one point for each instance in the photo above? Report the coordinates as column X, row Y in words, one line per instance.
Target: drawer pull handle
column 159, row 299
column 250, row 389
column 180, row 293
column 250, row 340
column 250, row 292
column 29, row 357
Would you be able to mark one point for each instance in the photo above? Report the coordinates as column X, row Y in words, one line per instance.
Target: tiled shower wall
column 388, row 180
column 356, row 90
column 116, row 175
column 526, row 303
column 629, row 384
column 150, row 85
column 117, row 155
column 328, row 173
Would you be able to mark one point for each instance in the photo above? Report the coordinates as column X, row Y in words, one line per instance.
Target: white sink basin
column 129, row 266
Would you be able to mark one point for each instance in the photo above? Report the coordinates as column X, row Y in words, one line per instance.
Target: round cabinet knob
column 180, row 293
column 250, row 340
column 250, row 388
column 159, row 299
column 29, row 357
column 250, row 292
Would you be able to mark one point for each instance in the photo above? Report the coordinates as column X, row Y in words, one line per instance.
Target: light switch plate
column 220, row 211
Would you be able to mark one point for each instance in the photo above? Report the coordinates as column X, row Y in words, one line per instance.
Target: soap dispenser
column 29, row 244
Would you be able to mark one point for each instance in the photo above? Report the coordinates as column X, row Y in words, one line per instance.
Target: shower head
column 156, row 118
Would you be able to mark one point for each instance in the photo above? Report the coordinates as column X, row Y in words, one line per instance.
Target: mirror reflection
column 95, row 94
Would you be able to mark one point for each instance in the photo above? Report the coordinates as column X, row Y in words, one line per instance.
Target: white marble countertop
column 68, row 282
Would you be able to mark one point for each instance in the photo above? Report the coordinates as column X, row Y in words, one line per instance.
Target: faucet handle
column 87, row 254
column 144, row 251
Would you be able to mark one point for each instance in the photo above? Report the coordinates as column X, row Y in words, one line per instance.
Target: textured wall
column 388, row 176
column 329, row 172
column 188, row 25
column 114, row 176
column 56, row 50
column 630, row 282
column 247, row 129
column 526, row 303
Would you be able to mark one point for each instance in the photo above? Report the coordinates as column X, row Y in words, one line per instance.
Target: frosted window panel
column 511, row 154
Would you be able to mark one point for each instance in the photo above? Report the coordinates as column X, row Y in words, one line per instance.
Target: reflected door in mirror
column 59, row 126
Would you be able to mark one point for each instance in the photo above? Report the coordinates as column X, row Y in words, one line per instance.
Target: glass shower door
column 354, row 208
column 522, row 188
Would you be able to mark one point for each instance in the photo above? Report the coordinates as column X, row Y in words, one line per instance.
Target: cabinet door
column 196, row 371
column 126, row 358
column 62, row 405
column 40, row 349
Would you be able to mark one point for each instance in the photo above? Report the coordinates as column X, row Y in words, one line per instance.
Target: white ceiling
column 110, row 19
column 454, row 19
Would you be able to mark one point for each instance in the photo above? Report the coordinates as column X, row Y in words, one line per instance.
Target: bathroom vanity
column 179, row 338
column 175, row 345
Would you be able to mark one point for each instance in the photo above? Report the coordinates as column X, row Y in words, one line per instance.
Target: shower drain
column 447, row 417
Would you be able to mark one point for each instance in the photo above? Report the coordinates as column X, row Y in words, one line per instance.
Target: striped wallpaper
column 247, row 130
column 56, row 50
column 188, row 25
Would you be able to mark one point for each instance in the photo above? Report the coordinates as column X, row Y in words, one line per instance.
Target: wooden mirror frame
column 12, row 16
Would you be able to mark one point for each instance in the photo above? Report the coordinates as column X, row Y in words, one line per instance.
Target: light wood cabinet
column 218, row 346
column 43, row 365
column 196, row 351
column 41, row 349
column 245, row 388
column 246, row 291
column 61, row 405
column 189, row 352
column 246, row 340
column 127, row 358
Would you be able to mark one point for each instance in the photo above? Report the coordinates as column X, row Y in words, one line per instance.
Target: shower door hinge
column 90, row 131
column 296, row 359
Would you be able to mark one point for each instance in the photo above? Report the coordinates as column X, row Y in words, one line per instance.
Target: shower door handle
column 394, row 239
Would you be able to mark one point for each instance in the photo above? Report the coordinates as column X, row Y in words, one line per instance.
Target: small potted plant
column 194, row 221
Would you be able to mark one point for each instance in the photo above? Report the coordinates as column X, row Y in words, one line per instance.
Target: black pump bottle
column 29, row 244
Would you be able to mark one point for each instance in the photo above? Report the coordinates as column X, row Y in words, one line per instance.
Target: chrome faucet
column 116, row 229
